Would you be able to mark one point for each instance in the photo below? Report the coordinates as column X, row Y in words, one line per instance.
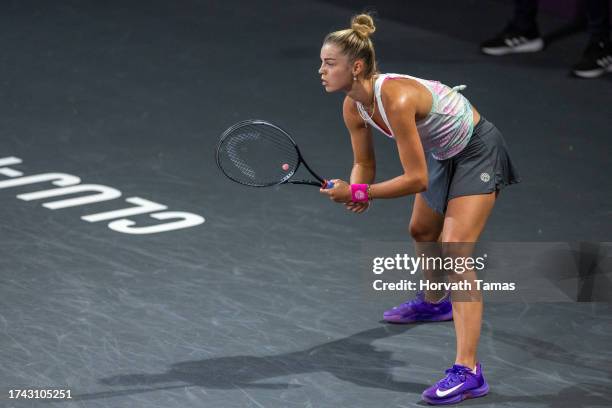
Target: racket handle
column 329, row 184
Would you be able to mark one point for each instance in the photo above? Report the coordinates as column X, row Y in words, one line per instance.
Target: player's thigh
column 466, row 217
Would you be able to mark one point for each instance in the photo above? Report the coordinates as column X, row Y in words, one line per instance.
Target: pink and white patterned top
column 446, row 130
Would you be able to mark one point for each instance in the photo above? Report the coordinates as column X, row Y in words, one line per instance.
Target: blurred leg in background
column 521, row 34
column 597, row 57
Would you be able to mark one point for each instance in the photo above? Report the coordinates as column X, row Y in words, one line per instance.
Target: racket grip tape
column 328, row 184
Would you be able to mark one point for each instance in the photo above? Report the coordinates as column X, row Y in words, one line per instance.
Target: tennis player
column 454, row 161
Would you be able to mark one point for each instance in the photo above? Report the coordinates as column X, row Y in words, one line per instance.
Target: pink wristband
column 359, row 193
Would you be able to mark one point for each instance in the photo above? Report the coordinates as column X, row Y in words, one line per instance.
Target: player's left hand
column 340, row 193
column 357, row 208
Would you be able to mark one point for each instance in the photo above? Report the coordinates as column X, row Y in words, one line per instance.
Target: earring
column 354, row 78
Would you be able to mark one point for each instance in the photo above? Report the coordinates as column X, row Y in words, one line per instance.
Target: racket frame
column 285, row 180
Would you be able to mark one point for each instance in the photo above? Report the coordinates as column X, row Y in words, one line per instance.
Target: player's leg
column 465, row 220
column 425, row 227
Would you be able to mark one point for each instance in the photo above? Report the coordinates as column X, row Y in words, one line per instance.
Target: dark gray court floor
column 260, row 305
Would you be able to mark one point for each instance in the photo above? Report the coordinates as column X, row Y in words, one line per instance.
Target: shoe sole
column 592, row 73
column 474, row 393
column 532, row 46
column 402, row 320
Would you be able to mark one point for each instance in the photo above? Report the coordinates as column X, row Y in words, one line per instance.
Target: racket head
column 257, row 153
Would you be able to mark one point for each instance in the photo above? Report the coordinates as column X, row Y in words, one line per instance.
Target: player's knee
column 456, row 245
column 456, row 237
column 450, row 238
column 422, row 232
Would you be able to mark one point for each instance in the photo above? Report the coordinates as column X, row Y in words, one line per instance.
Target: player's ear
column 357, row 67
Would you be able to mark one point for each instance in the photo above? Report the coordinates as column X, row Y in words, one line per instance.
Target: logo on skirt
column 485, row 177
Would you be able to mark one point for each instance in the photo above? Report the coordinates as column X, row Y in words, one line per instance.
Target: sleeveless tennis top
column 446, row 130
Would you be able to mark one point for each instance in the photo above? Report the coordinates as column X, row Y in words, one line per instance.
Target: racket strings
column 257, row 155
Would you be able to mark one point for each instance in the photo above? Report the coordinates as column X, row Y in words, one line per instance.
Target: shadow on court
column 353, row 359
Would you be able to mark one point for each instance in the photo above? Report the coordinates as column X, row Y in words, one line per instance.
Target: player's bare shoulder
column 351, row 114
column 406, row 94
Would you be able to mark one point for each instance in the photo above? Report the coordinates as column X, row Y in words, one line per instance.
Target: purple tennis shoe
column 460, row 383
column 420, row 310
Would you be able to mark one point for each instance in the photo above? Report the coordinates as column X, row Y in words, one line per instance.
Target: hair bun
column 363, row 24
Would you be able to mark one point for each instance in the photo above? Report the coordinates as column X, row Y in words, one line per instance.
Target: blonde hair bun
column 363, row 24
column 355, row 42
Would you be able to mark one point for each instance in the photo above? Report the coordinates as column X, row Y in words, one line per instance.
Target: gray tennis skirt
column 482, row 167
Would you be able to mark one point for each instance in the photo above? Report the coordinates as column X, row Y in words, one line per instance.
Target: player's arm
column 400, row 106
column 364, row 161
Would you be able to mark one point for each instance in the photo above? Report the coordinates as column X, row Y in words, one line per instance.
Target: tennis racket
column 257, row 153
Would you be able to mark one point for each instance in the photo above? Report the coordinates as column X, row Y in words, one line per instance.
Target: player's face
column 335, row 69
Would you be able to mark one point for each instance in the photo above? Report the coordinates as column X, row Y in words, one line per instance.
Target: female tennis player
column 453, row 159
